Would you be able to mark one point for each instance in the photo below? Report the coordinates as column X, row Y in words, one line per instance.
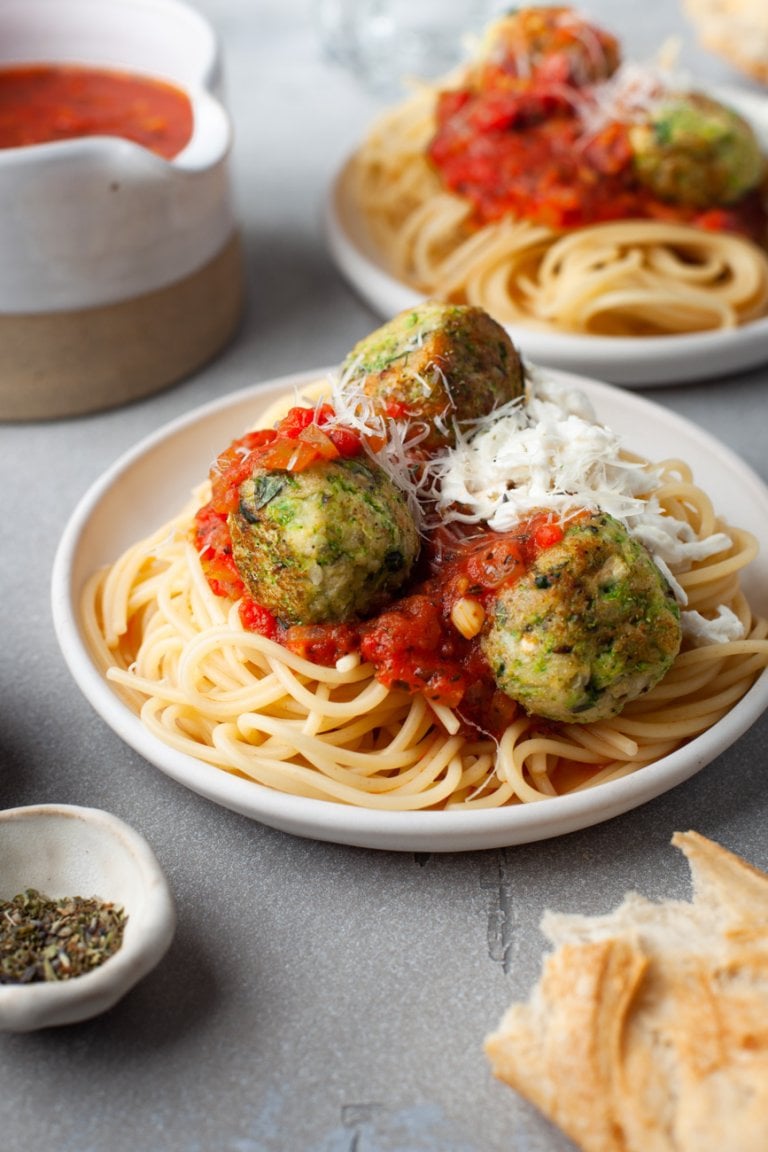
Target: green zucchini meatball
column 327, row 544
column 592, row 625
column 697, row 152
column 437, row 363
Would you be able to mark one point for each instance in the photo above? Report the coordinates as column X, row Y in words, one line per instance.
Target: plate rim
column 431, row 831
column 627, row 361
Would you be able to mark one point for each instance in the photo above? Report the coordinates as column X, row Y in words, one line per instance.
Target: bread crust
column 648, row 1031
column 737, row 30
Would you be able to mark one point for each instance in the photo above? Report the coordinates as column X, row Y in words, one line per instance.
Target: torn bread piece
column 648, row 1030
column 736, row 30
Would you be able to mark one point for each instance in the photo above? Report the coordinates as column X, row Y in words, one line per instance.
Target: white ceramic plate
column 648, row 362
column 151, row 483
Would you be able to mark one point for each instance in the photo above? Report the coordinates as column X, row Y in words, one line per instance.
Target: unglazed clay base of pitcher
column 59, row 364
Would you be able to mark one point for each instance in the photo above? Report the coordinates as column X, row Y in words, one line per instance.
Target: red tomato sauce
column 42, row 103
column 413, row 644
column 524, row 152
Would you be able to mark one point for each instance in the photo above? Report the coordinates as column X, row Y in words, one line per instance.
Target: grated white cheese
column 700, row 631
column 354, row 410
column 549, row 452
column 546, row 451
column 552, row 453
column 634, row 92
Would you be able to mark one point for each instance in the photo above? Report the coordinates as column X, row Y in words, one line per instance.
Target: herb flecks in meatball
column 327, row 544
column 552, row 44
column 592, row 625
column 695, row 151
column 440, row 364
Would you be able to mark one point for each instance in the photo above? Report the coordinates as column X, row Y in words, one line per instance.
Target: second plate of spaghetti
column 152, row 483
column 632, row 362
column 582, row 215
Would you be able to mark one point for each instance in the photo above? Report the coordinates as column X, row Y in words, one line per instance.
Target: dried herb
column 44, row 939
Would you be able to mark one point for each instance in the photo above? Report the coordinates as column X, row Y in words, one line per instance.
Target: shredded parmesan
column 700, row 631
column 546, row 451
column 551, row 453
column 354, row 410
column 632, row 95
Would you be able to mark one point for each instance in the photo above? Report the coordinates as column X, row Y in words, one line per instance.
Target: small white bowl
column 66, row 850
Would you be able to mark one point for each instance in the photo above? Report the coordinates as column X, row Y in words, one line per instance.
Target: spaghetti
column 601, row 259
column 246, row 704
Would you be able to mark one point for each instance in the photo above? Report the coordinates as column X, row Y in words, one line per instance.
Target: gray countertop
column 316, row 998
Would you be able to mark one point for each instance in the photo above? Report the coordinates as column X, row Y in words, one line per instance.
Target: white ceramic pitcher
column 121, row 271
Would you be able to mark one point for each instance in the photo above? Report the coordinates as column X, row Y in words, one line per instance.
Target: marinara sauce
column 524, row 152
column 414, row 644
column 42, row 103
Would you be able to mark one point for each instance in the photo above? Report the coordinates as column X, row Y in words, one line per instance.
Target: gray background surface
column 316, row 998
